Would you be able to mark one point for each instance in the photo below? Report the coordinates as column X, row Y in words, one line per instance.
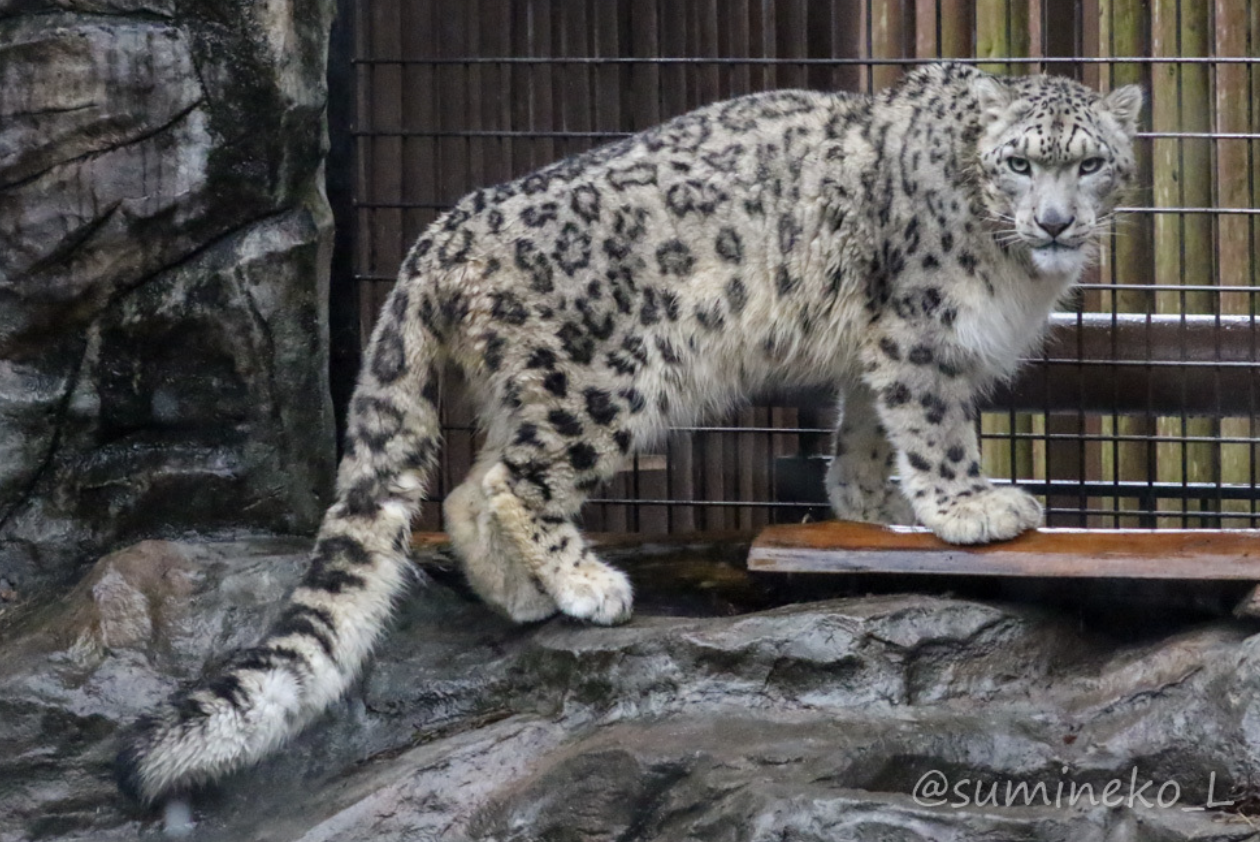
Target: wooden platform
column 1224, row 565
column 1188, row 555
column 840, row 547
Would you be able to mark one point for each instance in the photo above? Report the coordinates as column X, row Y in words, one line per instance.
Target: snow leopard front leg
column 926, row 401
column 858, row 483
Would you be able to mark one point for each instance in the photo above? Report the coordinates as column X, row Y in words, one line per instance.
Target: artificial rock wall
column 164, row 250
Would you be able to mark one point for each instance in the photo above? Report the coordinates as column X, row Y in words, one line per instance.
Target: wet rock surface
column 163, row 275
column 807, row 721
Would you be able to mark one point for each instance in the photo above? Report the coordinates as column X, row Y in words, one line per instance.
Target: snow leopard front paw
column 993, row 514
column 594, row 591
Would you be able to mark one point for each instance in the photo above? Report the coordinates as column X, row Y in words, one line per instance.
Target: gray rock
column 163, row 275
column 811, row 721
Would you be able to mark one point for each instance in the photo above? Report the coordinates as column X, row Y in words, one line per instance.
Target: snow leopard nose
column 1054, row 224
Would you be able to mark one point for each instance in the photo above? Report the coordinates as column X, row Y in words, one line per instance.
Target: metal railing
column 1140, row 412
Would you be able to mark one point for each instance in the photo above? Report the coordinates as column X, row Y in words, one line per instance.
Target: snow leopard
column 905, row 248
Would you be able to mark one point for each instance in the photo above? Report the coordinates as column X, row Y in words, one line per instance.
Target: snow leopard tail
column 260, row 697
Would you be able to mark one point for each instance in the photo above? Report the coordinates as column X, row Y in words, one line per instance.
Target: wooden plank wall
column 456, row 94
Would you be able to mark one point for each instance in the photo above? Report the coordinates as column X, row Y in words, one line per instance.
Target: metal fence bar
column 451, row 95
column 822, row 62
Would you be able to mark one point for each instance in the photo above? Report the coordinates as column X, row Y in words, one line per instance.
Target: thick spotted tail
column 264, row 695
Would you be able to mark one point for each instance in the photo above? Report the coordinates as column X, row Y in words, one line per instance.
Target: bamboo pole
column 925, row 24
column 1236, row 267
column 1254, row 27
column 1080, row 460
column 942, row 28
column 1002, row 32
column 1122, row 31
column 1255, row 148
column 1064, row 456
column 1183, row 242
column 883, row 25
column 955, row 28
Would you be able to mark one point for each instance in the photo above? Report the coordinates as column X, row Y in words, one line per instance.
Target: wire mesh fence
column 1142, row 408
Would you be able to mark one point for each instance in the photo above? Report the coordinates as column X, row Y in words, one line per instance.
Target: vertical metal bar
column 417, row 167
column 645, row 27
column 606, row 115
column 387, row 110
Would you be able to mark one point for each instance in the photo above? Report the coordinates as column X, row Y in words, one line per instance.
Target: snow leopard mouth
column 1055, row 246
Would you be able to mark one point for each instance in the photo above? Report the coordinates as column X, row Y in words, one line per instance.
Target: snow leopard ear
column 994, row 97
column 1125, row 104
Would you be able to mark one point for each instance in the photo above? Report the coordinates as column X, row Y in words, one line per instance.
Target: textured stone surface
column 807, row 722
column 163, row 274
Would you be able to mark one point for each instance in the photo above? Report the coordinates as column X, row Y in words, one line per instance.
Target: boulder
column 813, row 720
column 163, row 280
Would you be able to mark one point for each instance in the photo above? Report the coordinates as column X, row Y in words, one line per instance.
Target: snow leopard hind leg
column 491, row 561
column 541, row 460
column 259, row 697
column 555, row 552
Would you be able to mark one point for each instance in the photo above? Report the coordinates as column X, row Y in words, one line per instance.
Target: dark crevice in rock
column 195, row 59
column 43, row 112
column 77, row 241
column 60, row 13
column 202, row 248
column 269, row 341
column 58, row 422
column 179, row 117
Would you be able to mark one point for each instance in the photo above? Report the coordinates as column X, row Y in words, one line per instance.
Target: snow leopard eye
column 1090, row 165
column 1019, row 166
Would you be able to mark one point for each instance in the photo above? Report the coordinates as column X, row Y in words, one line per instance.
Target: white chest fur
column 1001, row 328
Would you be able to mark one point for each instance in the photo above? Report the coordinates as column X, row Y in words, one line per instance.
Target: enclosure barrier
column 1140, row 413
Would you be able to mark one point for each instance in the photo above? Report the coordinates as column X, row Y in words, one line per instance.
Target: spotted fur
column 906, row 248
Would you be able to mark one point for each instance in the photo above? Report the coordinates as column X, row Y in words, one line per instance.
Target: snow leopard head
column 1054, row 157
